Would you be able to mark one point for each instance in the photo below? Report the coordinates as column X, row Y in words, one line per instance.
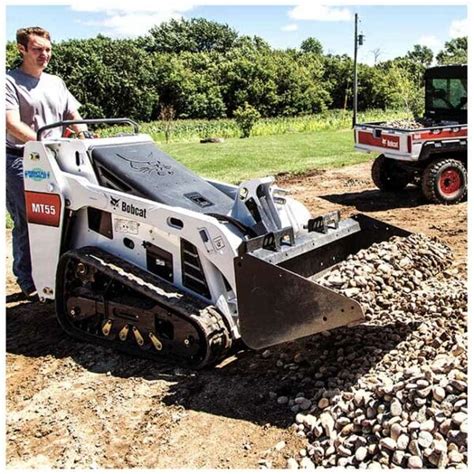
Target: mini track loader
column 141, row 254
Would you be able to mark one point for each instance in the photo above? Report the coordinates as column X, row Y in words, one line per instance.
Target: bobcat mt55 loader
column 141, row 254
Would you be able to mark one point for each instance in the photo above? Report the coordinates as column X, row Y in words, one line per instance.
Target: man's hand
column 79, row 129
column 84, row 134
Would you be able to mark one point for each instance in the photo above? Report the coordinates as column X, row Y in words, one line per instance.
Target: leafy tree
column 421, row 54
column 189, row 82
column 311, row 45
column 194, row 35
column 248, row 75
column 12, row 56
column 406, row 94
column 111, row 78
column 252, row 42
column 454, row 52
column 338, row 79
column 301, row 88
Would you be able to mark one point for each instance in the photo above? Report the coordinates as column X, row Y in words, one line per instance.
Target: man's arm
column 20, row 130
column 77, row 128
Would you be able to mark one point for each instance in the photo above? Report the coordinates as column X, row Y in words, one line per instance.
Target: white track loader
column 141, row 254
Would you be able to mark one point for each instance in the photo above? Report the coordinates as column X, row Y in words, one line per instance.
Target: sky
column 390, row 30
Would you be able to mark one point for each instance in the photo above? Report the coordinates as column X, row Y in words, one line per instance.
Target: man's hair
column 23, row 34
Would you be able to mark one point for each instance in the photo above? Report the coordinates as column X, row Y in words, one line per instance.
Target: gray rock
column 327, row 422
column 455, row 456
column 427, row 425
column 344, row 450
column 306, row 463
column 395, row 431
column 388, row 443
column 425, row 438
column 310, row 421
column 300, row 418
column 282, row 400
column 303, row 403
column 424, row 392
column 323, row 403
column 458, row 418
column 440, row 460
column 280, row 445
column 419, row 402
column 396, row 407
column 343, row 421
column 414, row 449
column 439, row 394
column 398, row 457
column 422, row 383
column 361, row 453
column 266, row 353
column 414, row 462
column 402, row 442
column 317, row 431
column 414, row 426
column 440, row 446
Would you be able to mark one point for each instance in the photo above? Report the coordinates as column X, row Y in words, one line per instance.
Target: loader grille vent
column 191, row 270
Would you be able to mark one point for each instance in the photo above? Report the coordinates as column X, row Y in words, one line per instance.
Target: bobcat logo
column 149, row 167
column 114, row 202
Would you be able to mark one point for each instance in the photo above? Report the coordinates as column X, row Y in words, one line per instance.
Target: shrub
column 246, row 117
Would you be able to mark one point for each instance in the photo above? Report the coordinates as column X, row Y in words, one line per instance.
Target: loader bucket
column 277, row 299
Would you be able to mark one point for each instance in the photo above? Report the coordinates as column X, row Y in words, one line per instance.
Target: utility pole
column 358, row 41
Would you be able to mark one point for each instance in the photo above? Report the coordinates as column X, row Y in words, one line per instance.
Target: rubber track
column 215, row 338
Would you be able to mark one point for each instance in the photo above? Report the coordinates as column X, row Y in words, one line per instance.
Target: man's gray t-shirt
column 40, row 101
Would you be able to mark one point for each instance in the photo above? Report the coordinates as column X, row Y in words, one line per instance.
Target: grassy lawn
column 239, row 159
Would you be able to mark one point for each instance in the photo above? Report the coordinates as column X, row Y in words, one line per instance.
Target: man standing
column 33, row 99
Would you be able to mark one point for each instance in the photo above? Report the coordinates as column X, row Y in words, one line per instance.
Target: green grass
column 238, row 159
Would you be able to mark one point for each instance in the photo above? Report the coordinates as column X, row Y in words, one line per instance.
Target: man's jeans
column 16, row 207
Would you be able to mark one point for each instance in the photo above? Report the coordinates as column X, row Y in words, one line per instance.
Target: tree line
column 204, row 69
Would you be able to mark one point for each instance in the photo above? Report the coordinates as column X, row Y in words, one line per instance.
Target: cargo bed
column 406, row 144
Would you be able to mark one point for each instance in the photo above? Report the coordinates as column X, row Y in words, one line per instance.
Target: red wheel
column 450, row 181
column 445, row 181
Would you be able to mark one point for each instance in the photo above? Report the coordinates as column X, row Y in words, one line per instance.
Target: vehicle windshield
column 446, row 94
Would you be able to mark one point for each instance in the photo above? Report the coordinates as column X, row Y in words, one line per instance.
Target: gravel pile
column 391, row 392
column 388, row 271
column 409, row 124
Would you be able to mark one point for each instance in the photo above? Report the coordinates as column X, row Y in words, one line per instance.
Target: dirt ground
column 70, row 404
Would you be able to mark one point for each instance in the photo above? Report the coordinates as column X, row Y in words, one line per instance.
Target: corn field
column 193, row 130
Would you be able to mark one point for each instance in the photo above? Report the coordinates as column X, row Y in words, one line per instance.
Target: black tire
column 444, row 181
column 387, row 175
